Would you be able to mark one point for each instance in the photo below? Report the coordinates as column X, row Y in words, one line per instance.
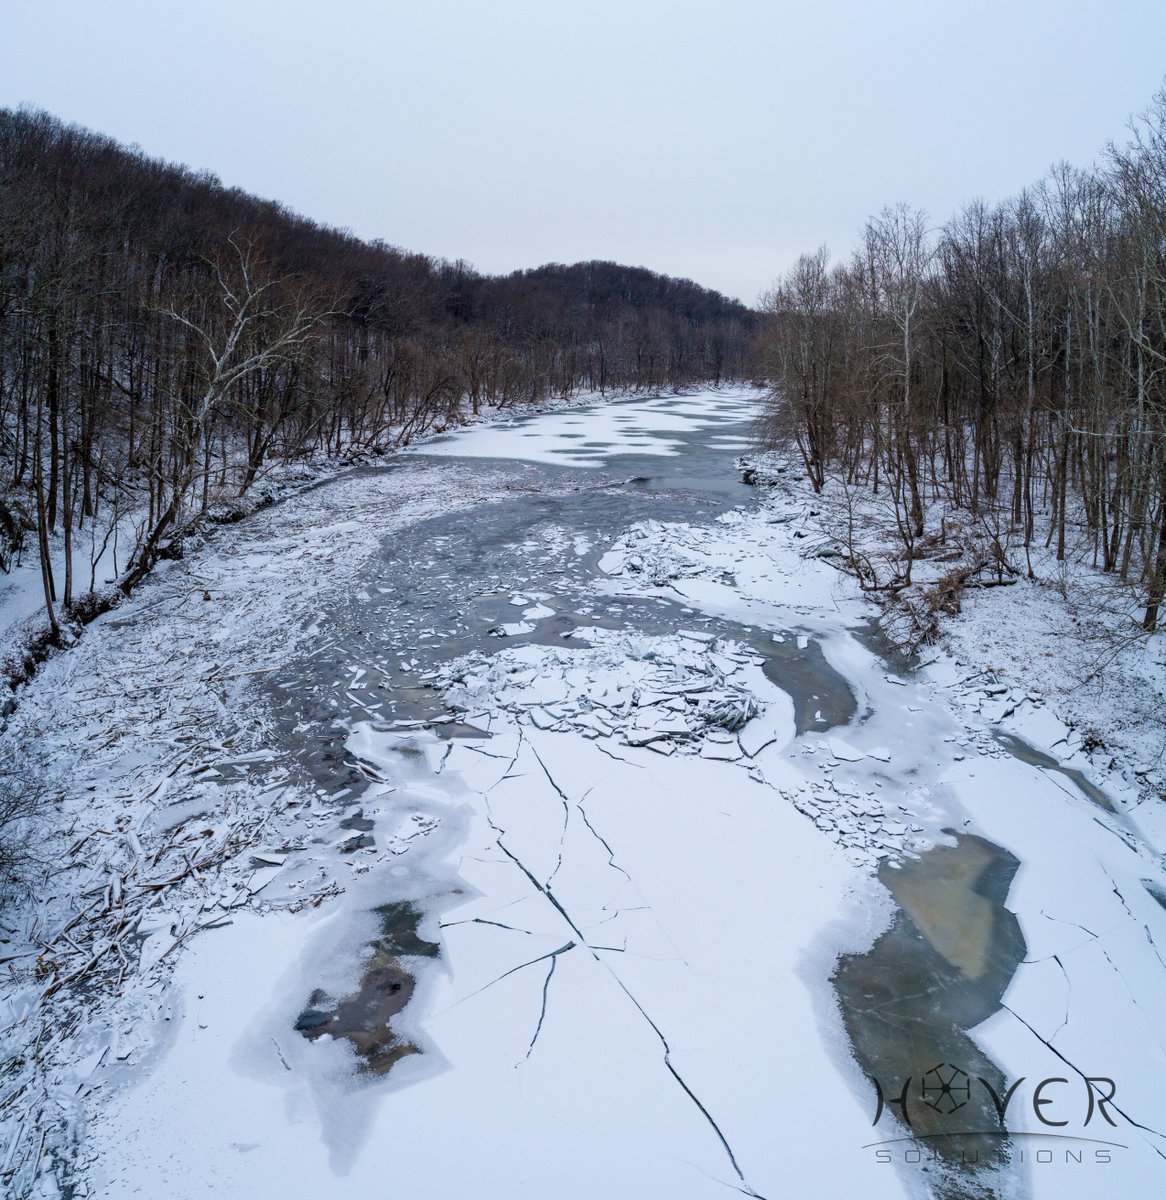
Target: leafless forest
column 163, row 339
column 1010, row 364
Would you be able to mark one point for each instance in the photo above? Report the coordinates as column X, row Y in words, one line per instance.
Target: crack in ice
column 542, row 1016
column 669, row 1065
column 566, row 810
column 1073, row 1066
column 484, row 921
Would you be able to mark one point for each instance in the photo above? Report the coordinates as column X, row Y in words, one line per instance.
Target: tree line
column 164, row 338
column 1010, row 362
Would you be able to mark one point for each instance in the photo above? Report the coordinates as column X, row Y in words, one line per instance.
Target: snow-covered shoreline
column 1057, row 655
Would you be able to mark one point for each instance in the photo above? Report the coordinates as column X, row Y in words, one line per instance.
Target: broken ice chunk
column 844, row 751
column 511, row 629
column 721, row 751
column 755, row 737
column 541, row 719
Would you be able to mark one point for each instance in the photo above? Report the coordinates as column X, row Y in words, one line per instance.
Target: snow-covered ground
column 640, row 877
column 1062, row 650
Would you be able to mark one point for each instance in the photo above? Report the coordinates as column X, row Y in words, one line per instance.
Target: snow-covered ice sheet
column 642, row 425
column 614, row 1010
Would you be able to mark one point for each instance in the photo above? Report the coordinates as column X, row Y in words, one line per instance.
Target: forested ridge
column 164, row 338
column 1009, row 365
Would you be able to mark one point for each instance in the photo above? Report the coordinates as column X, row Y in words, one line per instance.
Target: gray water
column 1020, row 749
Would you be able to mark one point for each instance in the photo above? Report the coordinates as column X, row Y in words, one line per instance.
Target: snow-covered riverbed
column 571, row 696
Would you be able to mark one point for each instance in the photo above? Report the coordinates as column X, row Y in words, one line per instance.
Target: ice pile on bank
column 742, row 566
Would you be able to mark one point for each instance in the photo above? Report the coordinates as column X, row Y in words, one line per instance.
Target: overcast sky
column 712, row 140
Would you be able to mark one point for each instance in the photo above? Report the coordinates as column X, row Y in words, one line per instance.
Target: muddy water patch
column 822, row 697
column 364, row 1018
column 908, row 1003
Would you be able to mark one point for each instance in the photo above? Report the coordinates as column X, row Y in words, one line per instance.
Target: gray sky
column 713, row 140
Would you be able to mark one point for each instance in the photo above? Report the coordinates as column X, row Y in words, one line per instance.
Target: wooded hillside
column 163, row 337
column 1010, row 364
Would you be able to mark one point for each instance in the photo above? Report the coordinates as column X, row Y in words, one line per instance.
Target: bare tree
column 252, row 322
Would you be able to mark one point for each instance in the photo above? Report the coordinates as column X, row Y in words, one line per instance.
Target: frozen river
column 612, row 859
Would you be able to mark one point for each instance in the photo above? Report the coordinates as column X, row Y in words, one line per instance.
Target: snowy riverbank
column 1061, row 655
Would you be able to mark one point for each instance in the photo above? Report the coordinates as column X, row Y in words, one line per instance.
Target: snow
column 99, row 554
column 634, row 963
column 634, row 425
column 639, row 880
